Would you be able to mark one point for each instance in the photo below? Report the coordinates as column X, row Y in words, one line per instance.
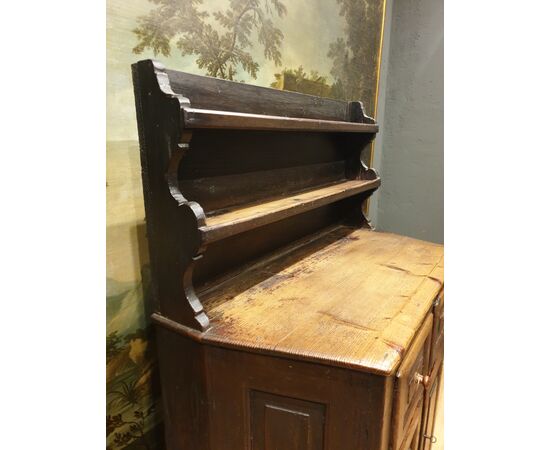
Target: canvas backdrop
column 322, row 47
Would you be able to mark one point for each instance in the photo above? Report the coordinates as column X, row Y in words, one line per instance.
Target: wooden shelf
column 246, row 218
column 204, row 118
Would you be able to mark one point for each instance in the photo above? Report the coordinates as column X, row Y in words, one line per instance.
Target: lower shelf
column 248, row 217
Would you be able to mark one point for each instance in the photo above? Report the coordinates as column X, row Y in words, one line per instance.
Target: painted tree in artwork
column 351, row 56
column 221, row 41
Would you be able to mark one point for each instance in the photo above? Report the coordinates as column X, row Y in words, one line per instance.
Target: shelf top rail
column 203, row 118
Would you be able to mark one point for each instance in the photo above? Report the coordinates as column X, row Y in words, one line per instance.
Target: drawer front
column 410, row 384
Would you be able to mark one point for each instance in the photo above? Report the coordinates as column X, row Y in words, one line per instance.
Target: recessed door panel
column 283, row 423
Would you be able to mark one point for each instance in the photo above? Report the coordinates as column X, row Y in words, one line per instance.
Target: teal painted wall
column 409, row 149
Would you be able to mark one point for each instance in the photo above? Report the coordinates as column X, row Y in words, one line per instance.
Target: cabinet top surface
column 351, row 297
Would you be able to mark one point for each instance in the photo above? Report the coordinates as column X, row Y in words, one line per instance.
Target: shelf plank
column 245, row 218
column 205, row 118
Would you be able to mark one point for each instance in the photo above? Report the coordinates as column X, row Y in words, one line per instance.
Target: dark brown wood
column 284, row 321
column 158, row 112
column 203, row 118
column 183, row 218
column 215, row 94
column 285, row 422
column 241, row 219
column 344, row 403
column 284, row 181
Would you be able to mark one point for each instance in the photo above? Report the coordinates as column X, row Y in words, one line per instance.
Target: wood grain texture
column 213, row 93
column 205, row 141
column 346, row 404
column 259, row 185
column 279, row 422
column 357, row 302
column 433, row 390
column 244, row 218
column 410, row 385
column 202, row 118
column 284, row 321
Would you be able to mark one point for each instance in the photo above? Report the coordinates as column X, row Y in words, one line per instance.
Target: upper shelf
column 205, row 118
column 247, row 217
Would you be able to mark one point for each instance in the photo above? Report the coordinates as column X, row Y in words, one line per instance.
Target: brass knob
column 421, row 379
column 432, row 439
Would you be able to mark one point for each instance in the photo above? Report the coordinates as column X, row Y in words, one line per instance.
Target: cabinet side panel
column 322, row 407
column 183, row 381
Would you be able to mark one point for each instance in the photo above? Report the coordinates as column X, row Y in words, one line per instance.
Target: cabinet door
column 412, row 437
column 430, row 404
column 409, row 394
column 436, row 363
column 436, row 354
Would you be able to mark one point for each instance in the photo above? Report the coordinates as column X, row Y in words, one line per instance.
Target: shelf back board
column 214, row 94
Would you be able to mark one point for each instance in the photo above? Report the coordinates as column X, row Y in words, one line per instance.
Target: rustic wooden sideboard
column 284, row 321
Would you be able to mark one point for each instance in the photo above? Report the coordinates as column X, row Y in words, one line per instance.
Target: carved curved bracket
column 164, row 84
column 193, row 300
column 357, row 113
column 172, row 173
column 191, row 213
column 368, row 173
column 195, row 218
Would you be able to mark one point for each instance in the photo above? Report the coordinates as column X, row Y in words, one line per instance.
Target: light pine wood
column 357, row 302
column 440, row 416
column 410, row 384
column 246, row 217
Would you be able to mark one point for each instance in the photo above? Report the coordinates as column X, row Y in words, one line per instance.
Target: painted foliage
column 320, row 47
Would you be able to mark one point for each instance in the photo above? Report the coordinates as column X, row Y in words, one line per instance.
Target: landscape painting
column 329, row 48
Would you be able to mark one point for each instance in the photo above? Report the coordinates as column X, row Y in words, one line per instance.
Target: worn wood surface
column 266, row 403
column 247, row 217
column 431, row 397
column 235, row 189
column 206, row 146
column 203, row 118
column 353, row 298
column 284, row 321
column 213, row 93
column 412, row 377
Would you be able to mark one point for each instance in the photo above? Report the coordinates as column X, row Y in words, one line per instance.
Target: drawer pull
column 432, row 439
column 421, row 379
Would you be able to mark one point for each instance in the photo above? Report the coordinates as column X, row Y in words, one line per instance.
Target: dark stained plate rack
column 233, row 172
